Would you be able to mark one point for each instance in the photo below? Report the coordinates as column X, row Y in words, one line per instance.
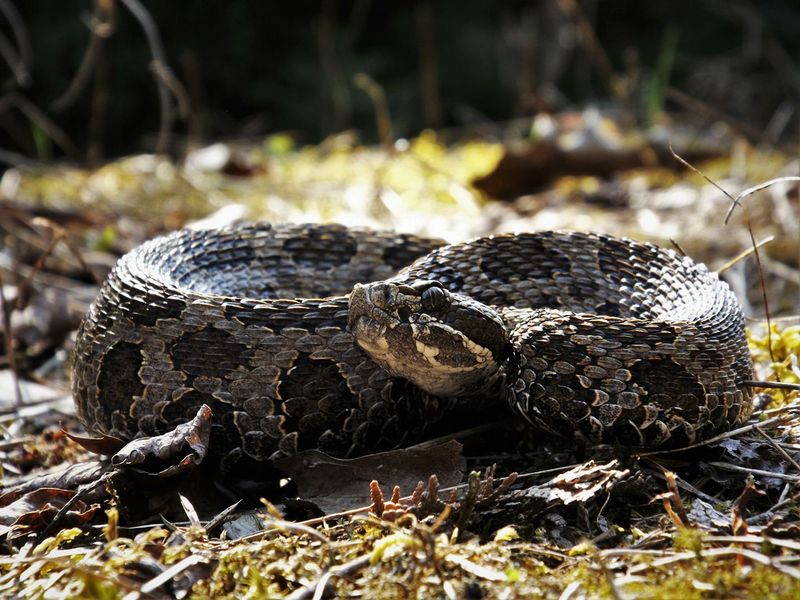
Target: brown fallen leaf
column 144, row 475
column 581, row 483
column 104, row 444
column 188, row 443
column 337, row 485
column 34, row 510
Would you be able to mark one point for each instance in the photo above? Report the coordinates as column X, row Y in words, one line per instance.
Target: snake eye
column 433, row 298
column 404, row 313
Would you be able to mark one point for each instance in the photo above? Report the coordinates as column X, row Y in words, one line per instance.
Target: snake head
column 445, row 343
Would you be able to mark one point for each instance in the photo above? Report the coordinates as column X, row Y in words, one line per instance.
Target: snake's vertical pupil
column 433, row 298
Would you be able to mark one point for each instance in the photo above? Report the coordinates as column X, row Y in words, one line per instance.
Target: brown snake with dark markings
column 589, row 335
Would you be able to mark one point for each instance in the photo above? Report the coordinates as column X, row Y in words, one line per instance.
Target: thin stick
column 745, row 254
column 382, row 117
column 778, row 385
column 735, row 203
column 594, row 50
column 763, row 290
column 677, row 247
column 317, row 589
column 732, row 467
column 9, row 344
column 718, row 438
column 18, row 70
column 752, row 190
column 47, row 125
column 159, row 56
column 175, row 87
column 777, row 447
column 22, row 68
column 101, row 27
column 60, row 235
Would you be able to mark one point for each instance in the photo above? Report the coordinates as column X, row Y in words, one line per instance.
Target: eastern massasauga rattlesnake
column 590, row 335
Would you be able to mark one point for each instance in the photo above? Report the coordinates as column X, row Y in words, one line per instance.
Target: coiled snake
column 590, row 335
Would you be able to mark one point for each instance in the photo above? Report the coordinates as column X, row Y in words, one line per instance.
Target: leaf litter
column 80, row 517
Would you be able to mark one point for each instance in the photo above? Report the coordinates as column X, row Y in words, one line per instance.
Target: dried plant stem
column 778, row 385
column 47, row 125
column 8, row 338
column 101, row 27
column 160, row 59
column 722, row 436
column 18, row 61
column 382, row 117
column 760, row 472
column 778, row 447
column 744, row 254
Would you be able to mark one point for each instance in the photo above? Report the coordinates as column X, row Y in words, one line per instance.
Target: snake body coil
column 590, row 335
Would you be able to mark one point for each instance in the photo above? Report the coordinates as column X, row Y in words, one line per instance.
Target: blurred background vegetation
column 81, row 81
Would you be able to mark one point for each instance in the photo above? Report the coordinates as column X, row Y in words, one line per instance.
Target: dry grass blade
column 8, row 339
column 737, row 199
column 101, row 26
column 317, row 589
column 47, row 125
column 778, row 385
column 752, row 190
column 744, row 254
column 763, row 283
column 382, row 116
column 755, row 247
column 171, row 572
column 727, row 435
column 160, row 58
column 778, row 448
column 760, row 472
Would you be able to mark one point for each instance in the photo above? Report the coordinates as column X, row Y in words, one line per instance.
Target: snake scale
column 353, row 340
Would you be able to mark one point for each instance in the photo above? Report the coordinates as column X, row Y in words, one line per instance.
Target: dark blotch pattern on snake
column 305, row 336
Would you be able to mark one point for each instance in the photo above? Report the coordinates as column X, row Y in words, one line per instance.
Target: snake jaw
column 425, row 336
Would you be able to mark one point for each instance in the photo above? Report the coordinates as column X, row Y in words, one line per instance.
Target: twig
column 762, row 473
column 170, row 573
column 425, row 30
column 722, row 436
column 9, row 344
column 703, row 108
column 677, row 247
column 37, row 267
column 317, row 588
column 175, row 86
column 780, row 450
column 763, row 281
column 745, row 254
column 80, row 493
column 60, row 235
column 159, row 57
column 778, row 385
column 101, row 27
column 753, row 190
column 735, row 203
column 681, row 483
column 594, row 50
column 17, row 160
column 382, row 116
column 21, row 75
column 21, row 69
column 47, row 125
